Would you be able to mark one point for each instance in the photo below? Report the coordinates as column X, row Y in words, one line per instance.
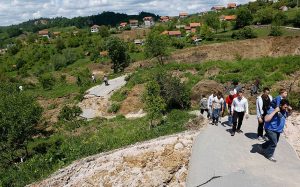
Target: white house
column 95, row 28
column 134, row 23
column 148, row 21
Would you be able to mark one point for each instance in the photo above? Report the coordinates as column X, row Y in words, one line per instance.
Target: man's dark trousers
column 237, row 120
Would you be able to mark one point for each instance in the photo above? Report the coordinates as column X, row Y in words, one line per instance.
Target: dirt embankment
column 159, row 162
column 245, row 49
column 292, row 132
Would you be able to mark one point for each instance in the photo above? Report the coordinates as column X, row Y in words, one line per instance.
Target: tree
column 47, row 81
column 224, row 25
column 155, row 105
column 264, row 16
column 244, row 17
column 296, row 21
column 117, row 51
column 245, row 33
column 103, row 31
column 60, row 44
column 280, row 18
column 275, row 31
column 213, row 21
column 206, row 33
column 156, row 46
column 19, row 117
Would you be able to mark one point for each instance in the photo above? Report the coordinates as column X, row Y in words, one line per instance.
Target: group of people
column 271, row 114
column 105, row 79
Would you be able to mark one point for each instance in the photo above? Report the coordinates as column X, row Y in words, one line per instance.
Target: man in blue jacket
column 274, row 125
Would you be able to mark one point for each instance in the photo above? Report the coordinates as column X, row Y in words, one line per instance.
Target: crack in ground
column 214, row 177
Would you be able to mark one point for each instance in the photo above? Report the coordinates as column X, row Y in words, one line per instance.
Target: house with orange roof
column 183, row 15
column 195, row 25
column 148, row 21
column 230, row 17
column 123, row 24
column 174, row 33
column 231, row 5
column 44, row 33
column 95, row 28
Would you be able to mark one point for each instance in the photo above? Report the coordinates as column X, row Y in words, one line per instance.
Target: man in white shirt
column 239, row 108
column 209, row 103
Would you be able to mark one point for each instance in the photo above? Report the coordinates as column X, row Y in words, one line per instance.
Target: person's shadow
column 256, row 149
column 251, row 135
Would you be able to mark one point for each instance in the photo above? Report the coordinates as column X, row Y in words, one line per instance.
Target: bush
column 245, row 33
column 58, row 61
column 275, row 31
column 178, row 43
column 296, row 21
column 47, row 81
column 69, row 113
column 114, row 108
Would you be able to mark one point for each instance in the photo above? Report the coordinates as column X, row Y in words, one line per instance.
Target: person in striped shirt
column 239, row 108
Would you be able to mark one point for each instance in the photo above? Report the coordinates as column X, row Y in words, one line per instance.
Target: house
column 187, row 29
column 228, row 18
column 217, row 8
column 44, row 33
column 183, row 15
column 164, row 19
column 284, row 8
column 56, row 34
column 134, row 23
column 138, row 42
column 148, row 21
column 180, row 26
column 195, row 25
column 95, row 28
column 231, row 5
column 174, row 33
column 123, row 24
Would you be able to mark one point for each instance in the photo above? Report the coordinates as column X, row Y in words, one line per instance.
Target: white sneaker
column 260, row 139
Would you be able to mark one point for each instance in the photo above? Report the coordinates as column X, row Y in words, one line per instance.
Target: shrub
column 275, row 31
column 69, row 113
column 245, row 33
column 296, row 21
column 47, row 81
column 114, row 108
column 178, row 43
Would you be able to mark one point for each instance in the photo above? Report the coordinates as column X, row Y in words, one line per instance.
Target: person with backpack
column 274, row 124
column 217, row 107
column 239, row 108
column 229, row 100
column 263, row 104
column 203, row 105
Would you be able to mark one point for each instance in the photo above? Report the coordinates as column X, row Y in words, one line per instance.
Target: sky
column 17, row 11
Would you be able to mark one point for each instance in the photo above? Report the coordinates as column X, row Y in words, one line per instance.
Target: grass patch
column 96, row 136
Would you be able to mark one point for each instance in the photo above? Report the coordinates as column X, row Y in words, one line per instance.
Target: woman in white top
column 217, row 107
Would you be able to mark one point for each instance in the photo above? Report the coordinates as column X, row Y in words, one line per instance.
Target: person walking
column 217, row 107
column 209, row 103
column 203, row 106
column 105, row 80
column 93, row 78
column 263, row 104
column 229, row 100
column 282, row 95
column 274, row 124
column 239, row 108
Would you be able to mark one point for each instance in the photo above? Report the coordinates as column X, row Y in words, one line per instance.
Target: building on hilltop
column 228, row 18
column 133, row 23
column 284, row 8
column 164, row 19
column 148, row 21
column 95, row 28
column 183, row 15
column 217, row 8
column 231, row 5
column 44, row 33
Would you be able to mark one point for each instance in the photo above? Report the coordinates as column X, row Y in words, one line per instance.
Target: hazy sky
column 16, row 11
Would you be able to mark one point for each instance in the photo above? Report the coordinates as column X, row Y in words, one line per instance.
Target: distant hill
column 105, row 18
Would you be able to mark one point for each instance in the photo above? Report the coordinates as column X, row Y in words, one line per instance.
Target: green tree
column 245, row 33
column 155, row 105
column 19, row 117
column 69, row 113
column 60, row 44
column 117, row 51
column 206, row 33
column 244, row 17
column 103, row 31
column 213, row 21
column 275, row 31
column 47, row 81
column 296, row 21
column 156, row 46
column 224, row 25
column 280, row 18
column 264, row 16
